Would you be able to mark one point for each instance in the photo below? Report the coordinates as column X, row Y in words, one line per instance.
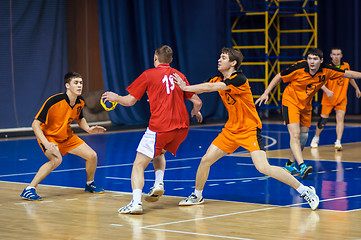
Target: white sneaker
column 310, row 196
column 132, row 208
column 155, row 192
column 191, row 200
column 314, row 142
column 338, row 146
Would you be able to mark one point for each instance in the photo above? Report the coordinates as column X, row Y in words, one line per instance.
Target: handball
column 108, row 105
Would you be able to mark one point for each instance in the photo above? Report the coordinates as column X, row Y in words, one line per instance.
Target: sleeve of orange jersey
column 290, row 73
column 335, row 74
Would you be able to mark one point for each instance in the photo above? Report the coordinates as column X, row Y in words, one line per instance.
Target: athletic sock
column 29, row 187
column 198, row 193
column 89, row 182
column 289, row 163
column 159, row 174
column 137, row 196
column 301, row 188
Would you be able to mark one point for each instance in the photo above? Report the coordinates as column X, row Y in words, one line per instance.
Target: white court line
column 106, row 166
column 192, row 180
column 248, row 211
column 198, row 234
column 22, row 203
column 230, row 182
column 211, row 217
column 116, row 225
column 245, row 164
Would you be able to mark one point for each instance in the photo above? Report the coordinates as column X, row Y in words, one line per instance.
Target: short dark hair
column 70, row 75
column 336, row 48
column 165, row 54
column 234, row 55
column 315, row 51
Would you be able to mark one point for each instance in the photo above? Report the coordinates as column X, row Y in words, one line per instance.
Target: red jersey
column 166, row 99
column 302, row 85
column 338, row 87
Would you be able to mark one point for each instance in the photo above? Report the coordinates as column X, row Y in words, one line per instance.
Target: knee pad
column 303, row 138
column 322, row 122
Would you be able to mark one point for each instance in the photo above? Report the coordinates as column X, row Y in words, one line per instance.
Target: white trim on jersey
column 147, row 144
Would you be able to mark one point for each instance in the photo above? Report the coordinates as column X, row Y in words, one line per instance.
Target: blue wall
column 33, row 48
column 32, row 59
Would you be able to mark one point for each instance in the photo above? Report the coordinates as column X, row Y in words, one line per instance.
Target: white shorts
column 153, row 143
column 147, row 144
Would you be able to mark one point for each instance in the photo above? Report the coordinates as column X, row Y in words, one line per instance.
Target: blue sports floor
column 232, row 178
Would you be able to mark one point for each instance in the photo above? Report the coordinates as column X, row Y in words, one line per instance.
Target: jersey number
column 169, row 83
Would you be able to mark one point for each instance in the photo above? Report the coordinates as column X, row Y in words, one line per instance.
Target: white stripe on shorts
column 147, row 144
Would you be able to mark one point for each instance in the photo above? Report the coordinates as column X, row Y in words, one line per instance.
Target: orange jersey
column 56, row 115
column 238, row 100
column 338, row 87
column 302, row 85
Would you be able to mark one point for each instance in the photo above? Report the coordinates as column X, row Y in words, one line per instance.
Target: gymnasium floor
column 233, row 179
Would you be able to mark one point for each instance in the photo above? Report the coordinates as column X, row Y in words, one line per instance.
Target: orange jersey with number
column 56, row 115
column 302, row 86
column 238, row 100
column 338, row 87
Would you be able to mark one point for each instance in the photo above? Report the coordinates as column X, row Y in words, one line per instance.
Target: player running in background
column 304, row 79
column 335, row 97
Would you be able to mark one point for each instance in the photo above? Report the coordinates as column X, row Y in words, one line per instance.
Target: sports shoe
column 132, row 208
column 338, row 146
column 310, row 196
column 191, row 200
column 155, row 192
column 93, row 189
column 292, row 169
column 314, row 142
column 304, row 170
column 30, row 195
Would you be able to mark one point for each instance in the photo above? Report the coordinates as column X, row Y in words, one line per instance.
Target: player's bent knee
column 322, row 122
column 205, row 161
column 263, row 168
column 55, row 162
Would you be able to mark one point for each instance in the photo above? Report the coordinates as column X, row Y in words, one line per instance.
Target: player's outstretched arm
column 352, row 74
column 264, row 97
column 199, row 88
column 128, row 100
